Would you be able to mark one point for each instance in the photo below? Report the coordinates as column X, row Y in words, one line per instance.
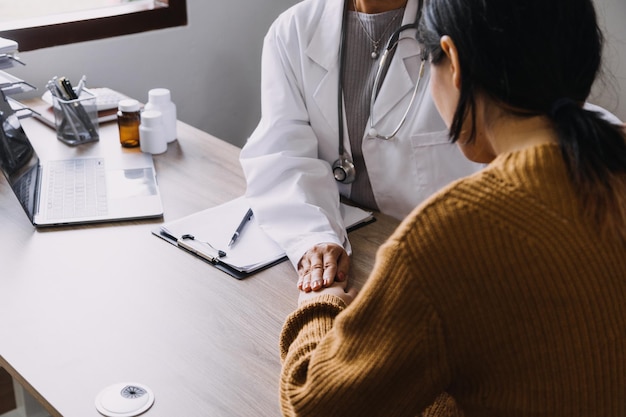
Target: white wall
column 212, row 66
column 610, row 90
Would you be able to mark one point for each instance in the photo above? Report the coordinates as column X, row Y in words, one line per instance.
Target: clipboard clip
column 220, row 253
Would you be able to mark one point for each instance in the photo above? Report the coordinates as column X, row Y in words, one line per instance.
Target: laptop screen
column 18, row 159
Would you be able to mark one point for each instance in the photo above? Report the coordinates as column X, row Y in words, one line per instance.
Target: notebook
column 78, row 190
column 206, row 234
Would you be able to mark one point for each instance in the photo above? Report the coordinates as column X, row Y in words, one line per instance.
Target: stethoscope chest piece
column 343, row 170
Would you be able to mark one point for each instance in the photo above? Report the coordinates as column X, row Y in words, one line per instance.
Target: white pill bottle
column 160, row 99
column 152, row 132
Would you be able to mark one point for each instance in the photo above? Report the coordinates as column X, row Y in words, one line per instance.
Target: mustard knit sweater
column 496, row 290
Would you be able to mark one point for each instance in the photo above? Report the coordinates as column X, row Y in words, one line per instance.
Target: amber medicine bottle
column 128, row 121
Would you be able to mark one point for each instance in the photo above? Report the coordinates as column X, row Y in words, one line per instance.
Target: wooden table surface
column 86, row 307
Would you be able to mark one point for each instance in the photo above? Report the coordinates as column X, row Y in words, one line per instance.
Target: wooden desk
column 87, row 307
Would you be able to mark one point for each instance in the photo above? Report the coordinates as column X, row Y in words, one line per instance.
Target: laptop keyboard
column 77, row 188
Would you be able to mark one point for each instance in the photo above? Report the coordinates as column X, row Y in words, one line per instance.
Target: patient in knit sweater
column 503, row 293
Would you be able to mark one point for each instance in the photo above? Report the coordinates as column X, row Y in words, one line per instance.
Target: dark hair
column 538, row 57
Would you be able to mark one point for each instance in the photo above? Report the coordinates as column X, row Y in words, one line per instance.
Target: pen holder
column 76, row 121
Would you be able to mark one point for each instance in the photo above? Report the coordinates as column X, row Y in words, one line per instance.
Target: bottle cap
column 128, row 105
column 159, row 96
column 152, row 118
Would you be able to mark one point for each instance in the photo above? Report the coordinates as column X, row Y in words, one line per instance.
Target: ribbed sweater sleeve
column 372, row 353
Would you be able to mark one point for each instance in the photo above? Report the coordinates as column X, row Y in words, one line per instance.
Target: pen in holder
column 76, row 120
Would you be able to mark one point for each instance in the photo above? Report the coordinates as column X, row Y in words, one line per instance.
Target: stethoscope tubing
column 344, row 164
column 372, row 131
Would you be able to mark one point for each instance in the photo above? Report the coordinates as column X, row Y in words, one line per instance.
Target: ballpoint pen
column 246, row 219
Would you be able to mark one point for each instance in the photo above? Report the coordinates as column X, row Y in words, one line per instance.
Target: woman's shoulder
column 441, row 213
column 469, row 190
column 511, row 188
column 468, row 199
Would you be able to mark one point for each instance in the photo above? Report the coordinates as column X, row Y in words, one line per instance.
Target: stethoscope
column 343, row 168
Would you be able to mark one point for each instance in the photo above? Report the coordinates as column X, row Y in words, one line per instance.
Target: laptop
column 79, row 190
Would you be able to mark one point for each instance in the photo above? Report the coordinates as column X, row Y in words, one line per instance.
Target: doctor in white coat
column 289, row 157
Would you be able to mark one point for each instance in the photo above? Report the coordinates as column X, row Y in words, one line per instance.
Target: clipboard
column 206, row 234
column 222, row 266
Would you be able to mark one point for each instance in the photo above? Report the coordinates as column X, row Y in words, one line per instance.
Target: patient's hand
column 321, row 265
column 339, row 289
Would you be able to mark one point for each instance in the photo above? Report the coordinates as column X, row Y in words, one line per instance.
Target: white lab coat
column 287, row 160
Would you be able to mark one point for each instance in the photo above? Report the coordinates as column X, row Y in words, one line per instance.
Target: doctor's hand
column 322, row 265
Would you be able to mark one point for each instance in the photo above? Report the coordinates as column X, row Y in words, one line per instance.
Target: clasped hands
column 324, row 269
column 321, row 265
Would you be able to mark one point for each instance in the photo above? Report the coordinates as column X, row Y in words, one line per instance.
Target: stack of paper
column 208, row 232
column 7, row 46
